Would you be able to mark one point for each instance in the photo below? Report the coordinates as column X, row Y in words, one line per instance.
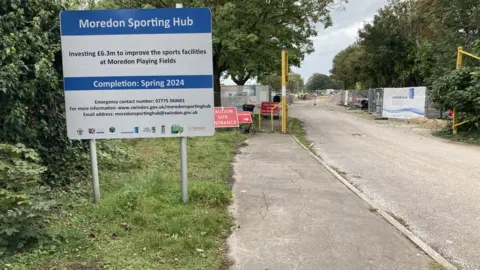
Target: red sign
column 244, row 118
column 226, row 117
column 268, row 106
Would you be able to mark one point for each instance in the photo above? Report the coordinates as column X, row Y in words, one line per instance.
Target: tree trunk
column 240, row 80
column 216, row 89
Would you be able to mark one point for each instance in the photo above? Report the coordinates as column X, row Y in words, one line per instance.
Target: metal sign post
column 183, row 157
column 93, row 160
column 94, row 165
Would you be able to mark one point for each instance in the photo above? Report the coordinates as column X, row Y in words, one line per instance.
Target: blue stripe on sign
column 137, row 82
column 412, row 110
column 135, row 21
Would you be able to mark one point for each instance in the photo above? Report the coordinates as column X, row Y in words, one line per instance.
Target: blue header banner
column 136, row 21
column 138, row 82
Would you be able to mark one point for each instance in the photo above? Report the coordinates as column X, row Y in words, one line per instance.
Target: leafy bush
column 113, row 155
column 31, row 92
column 459, row 89
column 22, row 199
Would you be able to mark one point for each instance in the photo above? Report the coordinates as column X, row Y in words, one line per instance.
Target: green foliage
column 23, row 205
column 459, row 89
column 321, row 82
column 252, row 41
column 141, row 222
column 410, row 43
column 295, row 82
column 468, row 136
column 295, row 127
column 114, row 155
column 349, row 67
column 31, row 91
column 248, row 35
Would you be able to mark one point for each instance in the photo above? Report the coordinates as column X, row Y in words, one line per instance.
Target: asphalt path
column 430, row 183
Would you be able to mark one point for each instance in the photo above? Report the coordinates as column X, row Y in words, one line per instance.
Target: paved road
column 433, row 184
column 293, row 214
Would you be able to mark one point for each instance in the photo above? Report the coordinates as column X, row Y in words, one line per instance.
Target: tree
column 294, row 82
column 386, row 53
column 318, row 82
column 32, row 108
column 274, row 81
column 459, row 89
column 321, row 81
column 390, row 43
column 410, row 43
column 248, row 35
column 352, row 65
column 449, row 24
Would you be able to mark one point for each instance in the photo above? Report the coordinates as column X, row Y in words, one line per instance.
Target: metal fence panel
column 238, row 95
column 430, row 111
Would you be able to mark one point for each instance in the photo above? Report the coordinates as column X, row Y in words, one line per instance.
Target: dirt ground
column 421, row 124
column 432, row 184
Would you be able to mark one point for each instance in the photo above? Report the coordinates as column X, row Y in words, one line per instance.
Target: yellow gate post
column 284, row 89
column 260, row 120
column 455, row 113
column 460, row 53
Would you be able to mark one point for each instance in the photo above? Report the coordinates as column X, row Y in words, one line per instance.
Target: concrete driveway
column 293, row 214
column 432, row 184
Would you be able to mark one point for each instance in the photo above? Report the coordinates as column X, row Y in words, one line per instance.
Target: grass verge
column 141, row 222
column 467, row 137
column 295, row 127
column 436, row 266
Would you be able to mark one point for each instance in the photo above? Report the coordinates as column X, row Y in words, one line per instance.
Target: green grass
column 295, row 127
column 436, row 266
column 467, row 137
column 141, row 222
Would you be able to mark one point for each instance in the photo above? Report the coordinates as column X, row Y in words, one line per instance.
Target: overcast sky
column 332, row 40
column 344, row 32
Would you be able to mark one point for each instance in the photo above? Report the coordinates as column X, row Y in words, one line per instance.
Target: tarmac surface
column 292, row 213
column 430, row 183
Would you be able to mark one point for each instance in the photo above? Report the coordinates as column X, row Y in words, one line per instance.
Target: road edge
column 406, row 232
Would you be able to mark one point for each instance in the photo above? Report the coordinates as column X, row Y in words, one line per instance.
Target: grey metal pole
column 183, row 165
column 95, row 181
column 93, row 159
column 183, row 156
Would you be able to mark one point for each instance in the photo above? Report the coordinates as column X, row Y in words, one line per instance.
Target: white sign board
column 404, row 103
column 138, row 73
